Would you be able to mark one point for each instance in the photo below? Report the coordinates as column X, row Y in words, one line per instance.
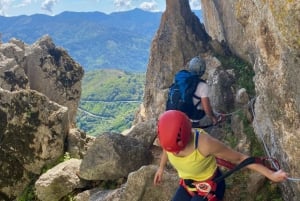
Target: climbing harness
column 208, row 187
column 205, row 189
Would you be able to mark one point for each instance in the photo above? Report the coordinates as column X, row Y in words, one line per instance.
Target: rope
column 251, row 103
column 260, row 132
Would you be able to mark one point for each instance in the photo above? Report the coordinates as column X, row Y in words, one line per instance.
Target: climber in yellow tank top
column 193, row 154
column 194, row 166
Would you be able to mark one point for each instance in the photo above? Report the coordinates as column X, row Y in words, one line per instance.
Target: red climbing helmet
column 174, row 130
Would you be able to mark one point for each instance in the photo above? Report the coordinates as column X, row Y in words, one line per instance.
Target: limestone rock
column 39, row 93
column 42, row 67
column 53, row 72
column 242, row 97
column 78, row 143
column 113, row 156
column 140, row 186
column 98, row 194
column 59, row 181
column 12, row 74
column 266, row 33
column 32, row 134
column 145, row 132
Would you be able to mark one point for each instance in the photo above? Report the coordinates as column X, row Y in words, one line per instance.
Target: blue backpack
column 181, row 94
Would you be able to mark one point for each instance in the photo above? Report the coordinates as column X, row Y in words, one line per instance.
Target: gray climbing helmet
column 197, row 65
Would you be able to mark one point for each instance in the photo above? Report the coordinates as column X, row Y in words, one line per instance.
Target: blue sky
column 54, row 7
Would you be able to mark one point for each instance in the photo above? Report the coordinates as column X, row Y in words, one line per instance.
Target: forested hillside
column 109, row 100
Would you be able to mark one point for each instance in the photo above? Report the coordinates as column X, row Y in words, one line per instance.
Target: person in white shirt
column 198, row 66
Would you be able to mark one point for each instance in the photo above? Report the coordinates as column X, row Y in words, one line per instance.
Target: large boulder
column 53, row 72
column 113, row 156
column 33, row 130
column 59, row 181
column 140, row 185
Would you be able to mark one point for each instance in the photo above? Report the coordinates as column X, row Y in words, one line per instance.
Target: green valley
column 109, row 100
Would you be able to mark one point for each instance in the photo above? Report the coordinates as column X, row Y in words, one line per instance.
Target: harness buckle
column 205, row 189
column 202, row 187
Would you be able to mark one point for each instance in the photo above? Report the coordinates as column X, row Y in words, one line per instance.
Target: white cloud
column 48, row 5
column 195, row 4
column 150, row 6
column 4, row 5
column 24, row 3
column 123, row 4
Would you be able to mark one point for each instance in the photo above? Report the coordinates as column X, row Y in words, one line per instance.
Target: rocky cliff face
column 39, row 93
column 180, row 37
column 51, row 71
column 33, row 130
column 266, row 33
column 42, row 67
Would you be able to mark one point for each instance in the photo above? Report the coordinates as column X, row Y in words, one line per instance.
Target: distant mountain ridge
column 96, row 40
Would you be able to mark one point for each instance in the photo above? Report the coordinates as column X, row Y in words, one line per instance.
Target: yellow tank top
column 194, row 166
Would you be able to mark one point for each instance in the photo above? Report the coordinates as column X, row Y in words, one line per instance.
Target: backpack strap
column 199, row 100
column 197, row 97
column 196, row 138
